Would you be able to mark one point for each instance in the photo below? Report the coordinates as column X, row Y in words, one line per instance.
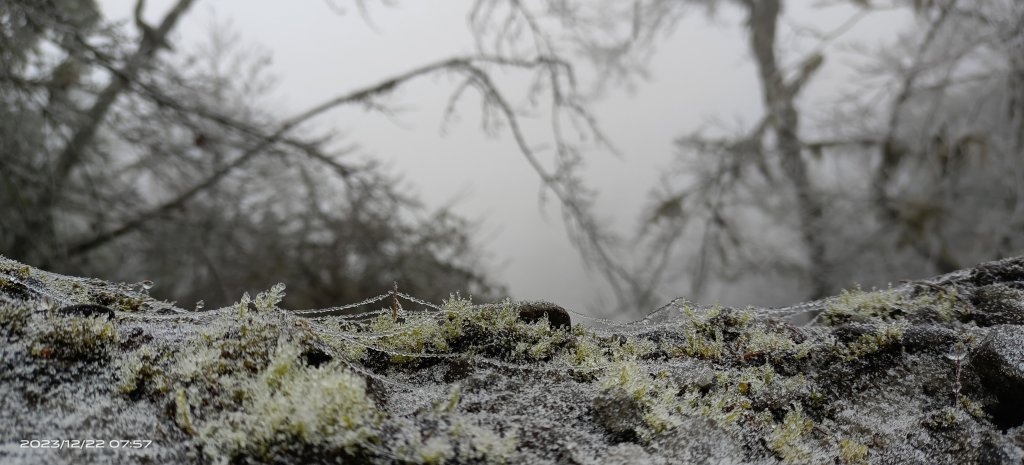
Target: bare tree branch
column 779, row 102
column 467, row 64
column 892, row 152
column 576, row 212
column 145, row 52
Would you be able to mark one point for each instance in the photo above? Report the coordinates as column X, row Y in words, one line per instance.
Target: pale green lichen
column 245, row 340
column 974, row 409
column 703, row 330
column 889, row 305
column 474, row 444
column 242, row 384
column 786, row 440
column 74, row 338
column 183, row 412
column 263, row 402
column 586, row 355
column 758, row 379
column 724, row 406
column 120, row 301
column 422, row 335
column 462, row 327
column 635, row 348
column 852, row 452
column 630, row 377
column 946, row 418
column 731, row 399
column 855, row 304
column 614, row 363
column 290, row 406
column 700, row 345
column 656, row 397
column 14, row 319
column 260, row 398
column 883, row 337
column 453, row 437
column 140, row 372
column 433, row 451
column 759, row 342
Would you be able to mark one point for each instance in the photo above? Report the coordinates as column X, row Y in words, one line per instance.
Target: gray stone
column 625, row 454
column 998, row 304
column 699, row 441
column 618, row 413
column 999, row 363
column 999, row 449
column 196, row 382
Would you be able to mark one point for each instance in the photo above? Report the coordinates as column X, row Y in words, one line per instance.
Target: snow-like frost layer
column 867, row 382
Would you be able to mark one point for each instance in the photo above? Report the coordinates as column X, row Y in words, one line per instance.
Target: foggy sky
column 701, row 72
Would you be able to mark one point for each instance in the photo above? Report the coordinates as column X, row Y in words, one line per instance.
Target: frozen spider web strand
column 331, row 310
column 419, row 301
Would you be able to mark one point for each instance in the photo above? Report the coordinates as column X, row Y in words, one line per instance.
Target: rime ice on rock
column 866, row 381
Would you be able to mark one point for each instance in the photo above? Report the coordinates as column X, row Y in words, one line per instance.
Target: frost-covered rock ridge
column 928, row 372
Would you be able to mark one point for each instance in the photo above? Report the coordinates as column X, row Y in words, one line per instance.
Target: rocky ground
column 929, row 372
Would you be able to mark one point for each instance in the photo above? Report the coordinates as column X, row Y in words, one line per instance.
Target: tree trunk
column 785, row 120
column 38, row 240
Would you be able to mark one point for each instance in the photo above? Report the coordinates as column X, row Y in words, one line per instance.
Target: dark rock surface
column 697, row 441
column 87, row 310
column 999, row 304
column 999, row 363
column 619, row 413
column 930, row 372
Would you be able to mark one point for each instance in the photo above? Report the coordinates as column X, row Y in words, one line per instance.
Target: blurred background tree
column 127, row 158
column 916, row 172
